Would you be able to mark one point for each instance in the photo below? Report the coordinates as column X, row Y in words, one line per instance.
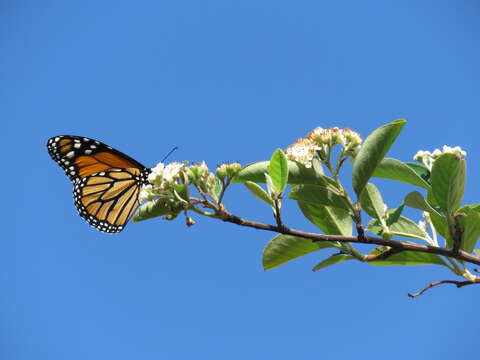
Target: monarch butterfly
column 106, row 182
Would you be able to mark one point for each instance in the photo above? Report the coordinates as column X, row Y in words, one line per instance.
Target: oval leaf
column 371, row 153
column 448, row 181
column 278, row 171
column 470, row 224
column 409, row 173
column 318, row 195
column 258, row 192
column 372, row 201
column 297, row 173
column 330, row 220
column 332, row 260
column 408, row 258
column 415, row 200
column 284, row 248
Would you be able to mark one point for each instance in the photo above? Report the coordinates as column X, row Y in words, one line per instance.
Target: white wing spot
column 88, row 151
column 77, row 145
column 93, row 146
column 70, row 154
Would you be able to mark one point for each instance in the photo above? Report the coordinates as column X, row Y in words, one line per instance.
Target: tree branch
column 458, row 284
column 397, row 245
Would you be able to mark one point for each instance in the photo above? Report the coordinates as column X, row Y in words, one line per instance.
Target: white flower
column 457, row 150
column 437, row 152
column 171, row 171
column 156, row 174
column 428, row 158
column 420, row 155
column 145, row 193
column 302, row 151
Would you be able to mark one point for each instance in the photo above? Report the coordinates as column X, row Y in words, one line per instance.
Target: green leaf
column 409, row 173
column 404, row 227
column 477, row 252
column 330, row 220
column 372, row 152
column 332, row 260
column 182, row 191
column 470, row 224
column 278, row 171
column 258, row 192
column 318, row 195
column 448, row 181
column 393, row 215
column 270, row 187
column 372, row 202
column 218, row 187
column 415, row 200
column 475, row 206
column 284, row 248
column 297, row 173
column 155, row 208
column 441, row 226
column 317, row 166
column 408, row 258
column 433, row 202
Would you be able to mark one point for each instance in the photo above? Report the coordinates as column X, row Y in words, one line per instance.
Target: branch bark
column 458, row 284
column 397, row 246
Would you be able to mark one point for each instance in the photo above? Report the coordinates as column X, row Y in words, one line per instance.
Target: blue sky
column 224, row 81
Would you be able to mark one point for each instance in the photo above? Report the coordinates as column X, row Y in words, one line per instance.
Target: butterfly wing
column 106, row 182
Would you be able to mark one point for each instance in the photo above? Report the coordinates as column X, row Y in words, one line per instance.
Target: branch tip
column 458, row 284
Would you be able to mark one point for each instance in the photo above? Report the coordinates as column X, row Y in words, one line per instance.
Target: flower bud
column 227, row 169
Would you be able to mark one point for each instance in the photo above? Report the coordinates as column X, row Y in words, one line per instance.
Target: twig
column 224, row 188
column 361, row 233
column 278, row 217
column 457, row 236
column 458, row 284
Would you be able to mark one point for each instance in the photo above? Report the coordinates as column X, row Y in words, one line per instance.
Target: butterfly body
column 106, row 182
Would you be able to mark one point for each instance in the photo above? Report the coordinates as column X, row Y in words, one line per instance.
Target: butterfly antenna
column 170, row 153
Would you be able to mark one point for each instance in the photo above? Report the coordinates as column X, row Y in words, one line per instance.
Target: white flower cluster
column 427, row 158
column 161, row 179
column 302, row 151
column 164, row 179
column 319, row 142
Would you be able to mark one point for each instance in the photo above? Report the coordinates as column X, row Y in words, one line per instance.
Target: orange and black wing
column 106, row 182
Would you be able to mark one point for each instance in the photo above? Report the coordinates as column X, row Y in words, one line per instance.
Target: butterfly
column 106, row 182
